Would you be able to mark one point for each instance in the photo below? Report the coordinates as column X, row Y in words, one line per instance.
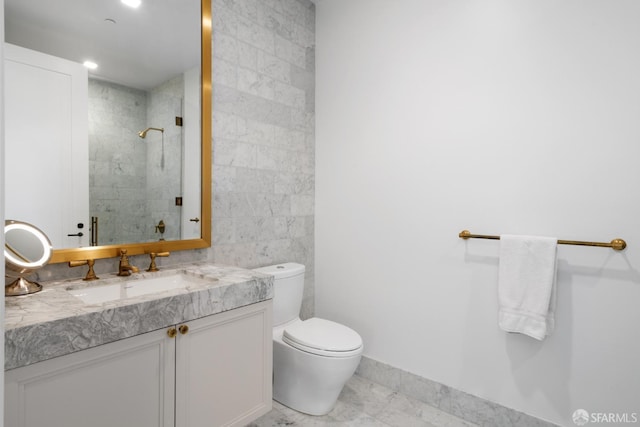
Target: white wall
column 2, row 208
column 498, row 116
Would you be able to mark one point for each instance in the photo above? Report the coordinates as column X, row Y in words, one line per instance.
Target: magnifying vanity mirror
column 26, row 249
column 118, row 149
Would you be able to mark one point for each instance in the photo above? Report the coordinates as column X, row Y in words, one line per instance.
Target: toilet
column 313, row 358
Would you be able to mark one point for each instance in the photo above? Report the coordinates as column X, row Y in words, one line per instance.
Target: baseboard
column 455, row 402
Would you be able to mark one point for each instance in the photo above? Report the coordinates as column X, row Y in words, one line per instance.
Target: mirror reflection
column 113, row 150
column 24, row 245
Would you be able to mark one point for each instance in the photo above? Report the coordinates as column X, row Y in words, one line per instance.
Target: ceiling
column 139, row 48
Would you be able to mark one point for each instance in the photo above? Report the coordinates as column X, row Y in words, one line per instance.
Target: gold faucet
column 125, row 269
column 153, row 255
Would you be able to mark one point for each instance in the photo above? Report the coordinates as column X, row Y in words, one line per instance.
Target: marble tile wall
column 117, row 160
column 263, row 134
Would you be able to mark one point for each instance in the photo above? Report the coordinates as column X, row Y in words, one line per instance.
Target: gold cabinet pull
column 172, row 332
column 183, row 329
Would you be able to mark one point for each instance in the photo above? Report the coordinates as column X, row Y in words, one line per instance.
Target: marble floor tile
column 422, row 411
column 367, row 404
column 367, row 396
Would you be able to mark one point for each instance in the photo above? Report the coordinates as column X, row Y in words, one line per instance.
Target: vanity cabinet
column 224, row 368
column 212, row 371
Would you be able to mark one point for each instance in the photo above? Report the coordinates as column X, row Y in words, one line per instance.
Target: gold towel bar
column 616, row 244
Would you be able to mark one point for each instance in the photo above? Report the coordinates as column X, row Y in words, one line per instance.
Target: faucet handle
column 153, row 255
column 91, row 275
column 124, row 268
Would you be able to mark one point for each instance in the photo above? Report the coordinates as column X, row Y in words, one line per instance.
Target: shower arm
column 143, row 134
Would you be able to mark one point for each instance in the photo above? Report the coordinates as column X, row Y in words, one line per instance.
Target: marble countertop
column 53, row 322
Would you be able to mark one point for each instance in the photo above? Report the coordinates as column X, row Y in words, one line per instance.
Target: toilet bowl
column 313, row 358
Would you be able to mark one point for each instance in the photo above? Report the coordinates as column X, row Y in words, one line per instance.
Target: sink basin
column 133, row 288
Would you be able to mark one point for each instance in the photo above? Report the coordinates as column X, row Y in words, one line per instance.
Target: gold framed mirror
column 62, row 253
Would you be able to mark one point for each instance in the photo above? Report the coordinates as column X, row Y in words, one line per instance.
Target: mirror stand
column 26, row 249
column 22, row 286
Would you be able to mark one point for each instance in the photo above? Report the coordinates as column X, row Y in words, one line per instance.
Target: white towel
column 526, row 284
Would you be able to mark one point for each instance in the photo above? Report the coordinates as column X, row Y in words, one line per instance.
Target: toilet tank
column 288, row 286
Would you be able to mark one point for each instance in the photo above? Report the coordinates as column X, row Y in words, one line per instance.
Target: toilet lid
column 322, row 336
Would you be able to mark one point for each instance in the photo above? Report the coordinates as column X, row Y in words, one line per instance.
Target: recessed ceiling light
column 131, row 3
column 90, row 65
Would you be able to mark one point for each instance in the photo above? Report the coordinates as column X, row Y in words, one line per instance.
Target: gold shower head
column 143, row 133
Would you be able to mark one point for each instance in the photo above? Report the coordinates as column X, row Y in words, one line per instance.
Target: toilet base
column 307, row 382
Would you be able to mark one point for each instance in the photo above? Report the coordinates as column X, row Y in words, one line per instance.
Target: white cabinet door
column 218, row 373
column 128, row 383
column 224, row 369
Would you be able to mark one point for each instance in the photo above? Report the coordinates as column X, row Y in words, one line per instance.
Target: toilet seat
column 323, row 337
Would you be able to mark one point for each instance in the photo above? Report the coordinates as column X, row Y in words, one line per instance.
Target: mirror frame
column 112, row 251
